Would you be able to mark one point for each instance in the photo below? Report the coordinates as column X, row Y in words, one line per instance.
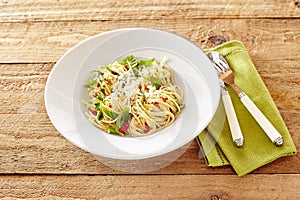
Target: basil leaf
column 146, row 63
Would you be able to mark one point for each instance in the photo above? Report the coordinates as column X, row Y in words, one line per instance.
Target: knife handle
column 234, row 126
column 261, row 119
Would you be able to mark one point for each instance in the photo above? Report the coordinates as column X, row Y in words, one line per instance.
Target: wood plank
column 38, row 148
column 39, row 42
column 22, row 88
column 23, row 82
column 284, row 91
column 283, row 186
column 40, row 10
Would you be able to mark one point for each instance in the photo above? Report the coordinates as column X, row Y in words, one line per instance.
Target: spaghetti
column 133, row 97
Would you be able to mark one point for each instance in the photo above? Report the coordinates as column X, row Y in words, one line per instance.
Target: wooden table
column 37, row 162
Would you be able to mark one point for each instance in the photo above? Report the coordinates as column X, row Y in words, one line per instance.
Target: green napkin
column 257, row 150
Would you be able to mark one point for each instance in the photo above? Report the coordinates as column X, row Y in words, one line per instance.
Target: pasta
column 133, row 97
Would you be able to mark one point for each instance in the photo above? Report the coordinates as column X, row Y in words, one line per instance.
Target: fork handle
column 261, row 119
column 234, row 126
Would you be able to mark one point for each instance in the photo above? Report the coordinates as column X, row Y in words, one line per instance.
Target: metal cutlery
column 226, row 74
column 234, row 126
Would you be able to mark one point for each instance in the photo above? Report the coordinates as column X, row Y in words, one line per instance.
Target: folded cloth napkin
column 216, row 144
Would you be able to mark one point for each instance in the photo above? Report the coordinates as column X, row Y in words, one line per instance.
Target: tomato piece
column 124, row 127
column 147, row 128
column 94, row 112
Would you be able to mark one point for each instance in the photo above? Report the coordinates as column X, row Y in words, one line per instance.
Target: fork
column 226, row 74
column 236, row 133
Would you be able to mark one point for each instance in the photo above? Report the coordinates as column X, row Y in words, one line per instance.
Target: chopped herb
column 110, row 114
column 182, row 106
column 123, row 117
column 129, row 61
column 99, row 116
column 114, row 130
column 135, row 72
column 100, row 97
column 146, row 63
column 97, row 71
column 90, row 82
column 155, row 81
column 97, row 105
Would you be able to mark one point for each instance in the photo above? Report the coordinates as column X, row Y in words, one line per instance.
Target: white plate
column 193, row 73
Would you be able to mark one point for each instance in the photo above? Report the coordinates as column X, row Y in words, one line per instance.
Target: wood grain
column 115, row 10
column 36, row 162
column 22, row 82
column 37, row 147
column 40, row 42
column 151, row 187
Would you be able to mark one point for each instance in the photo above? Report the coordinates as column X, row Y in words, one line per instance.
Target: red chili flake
column 164, row 99
column 110, row 105
column 126, row 67
column 140, row 86
column 94, row 112
column 155, row 103
column 146, row 87
column 98, row 84
column 96, row 95
column 147, row 128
